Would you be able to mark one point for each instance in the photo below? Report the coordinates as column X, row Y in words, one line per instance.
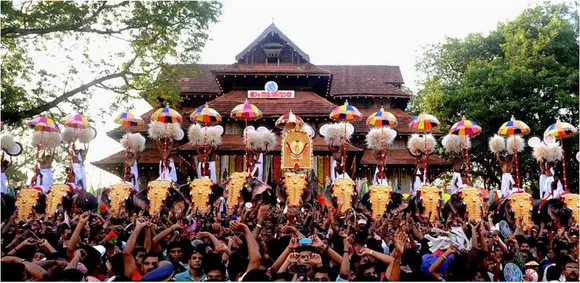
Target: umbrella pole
column 126, row 157
column 37, row 156
column 382, row 159
column 247, row 148
column 204, row 151
column 344, row 151
column 163, row 158
column 72, row 154
column 564, row 166
column 517, row 166
column 467, row 161
column 425, row 176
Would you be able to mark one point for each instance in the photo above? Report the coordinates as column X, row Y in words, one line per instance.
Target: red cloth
column 277, row 168
column 327, row 166
column 239, row 163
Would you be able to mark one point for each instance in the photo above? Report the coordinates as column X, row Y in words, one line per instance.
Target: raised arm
column 36, row 272
column 435, row 266
column 128, row 260
column 75, row 238
column 282, row 258
column 345, row 263
column 253, row 247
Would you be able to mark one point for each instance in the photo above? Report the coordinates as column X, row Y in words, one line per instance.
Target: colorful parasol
column 425, row 123
column 561, row 130
column 246, row 112
column 345, row 113
column 207, row 116
column 511, row 128
column 128, row 119
column 466, row 128
column 44, row 124
column 382, row 118
column 166, row 115
column 290, row 120
column 77, row 121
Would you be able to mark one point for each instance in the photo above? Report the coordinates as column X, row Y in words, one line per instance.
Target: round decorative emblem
column 271, row 86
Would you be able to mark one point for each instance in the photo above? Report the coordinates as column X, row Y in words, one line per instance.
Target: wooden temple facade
column 318, row 89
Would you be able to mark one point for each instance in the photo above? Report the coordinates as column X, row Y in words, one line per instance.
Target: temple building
column 317, row 89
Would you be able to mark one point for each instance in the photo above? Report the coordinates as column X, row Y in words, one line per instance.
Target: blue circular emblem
column 271, row 86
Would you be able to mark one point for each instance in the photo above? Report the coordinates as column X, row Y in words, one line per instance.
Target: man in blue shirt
column 195, row 272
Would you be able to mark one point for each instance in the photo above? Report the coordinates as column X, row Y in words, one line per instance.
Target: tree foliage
column 136, row 40
column 527, row 67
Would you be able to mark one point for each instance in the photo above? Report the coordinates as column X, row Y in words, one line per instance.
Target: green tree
column 527, row 67
column 142, row 37
column 57, row 54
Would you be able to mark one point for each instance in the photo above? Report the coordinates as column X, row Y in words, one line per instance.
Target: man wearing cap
column 195, row 272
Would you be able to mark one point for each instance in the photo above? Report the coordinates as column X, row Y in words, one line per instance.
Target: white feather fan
column 158, row 130
column 452, row 143
column 497, row 144
column 377, row 136
column 86, row 135
column 464, row 142
column 267, row 140
column 335, row 134
column 415, row 144
column 195, row 135
column 46, row 140
column 553, row 152
column 514, row 141
column 136, row 142
column 7, row 142
column 431, row 143
column 68, row 134
column 253, row 138
column 539, row 151
column 214, row 136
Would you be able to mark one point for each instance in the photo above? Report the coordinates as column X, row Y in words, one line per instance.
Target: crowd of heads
column 271, row 242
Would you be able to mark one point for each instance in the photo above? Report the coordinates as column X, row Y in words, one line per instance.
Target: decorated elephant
column 295, row 189
column 466, row 202
column 551, row 211
column 517, row 205
column 118, row 194
column 159, row 197
column 380, row 200
column 425, row 204
column 8, row 206
column 29, row 201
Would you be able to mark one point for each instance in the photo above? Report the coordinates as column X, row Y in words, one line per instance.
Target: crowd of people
column 267, row 242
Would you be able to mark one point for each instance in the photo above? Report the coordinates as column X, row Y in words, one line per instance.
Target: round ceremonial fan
column 534, row 141
column 549, row 139
column 15, row 150
column 309, row 130
column 323, row 129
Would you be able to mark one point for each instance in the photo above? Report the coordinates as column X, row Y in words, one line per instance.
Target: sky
column 336, row 32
